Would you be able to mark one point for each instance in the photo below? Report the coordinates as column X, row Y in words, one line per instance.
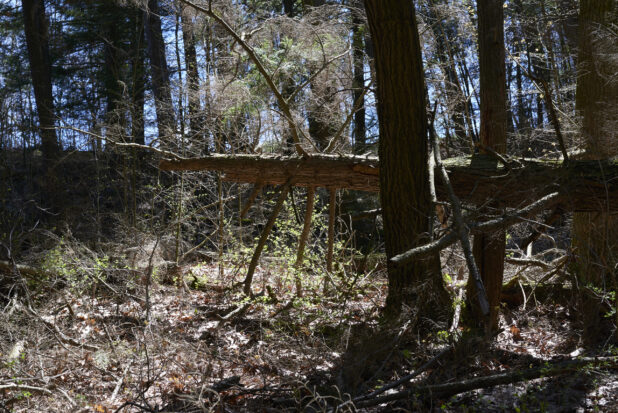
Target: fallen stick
column 63, row 338
column 446, row 390
column 405, row 378
column 35, row 389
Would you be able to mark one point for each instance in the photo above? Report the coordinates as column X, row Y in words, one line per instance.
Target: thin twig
column 550, row 105
column 63, row 338
column 348, row 119
column 281, row 101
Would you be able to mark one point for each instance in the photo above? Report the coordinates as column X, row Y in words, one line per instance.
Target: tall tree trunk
column 159, row 73
column 455, row 97
column 320, row 116
column 113, row 89
column 595, row 235
column 196, row 120
column 288, row 86
column 138, row 78
column 489, row 247
column 288, row 8
column 37, row 42
column 358, row 82
column 404, row 177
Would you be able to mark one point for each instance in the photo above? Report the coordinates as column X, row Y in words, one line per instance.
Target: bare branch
column 281, row 101
column 463, row 232
column 508, row 219
column 348, row 119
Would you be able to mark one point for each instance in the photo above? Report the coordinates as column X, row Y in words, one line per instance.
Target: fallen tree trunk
column 582, row 185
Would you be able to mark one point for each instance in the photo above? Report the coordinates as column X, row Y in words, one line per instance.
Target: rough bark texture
column 489, row 247
column 159, row 71
column 112, row 70
column 404, row 183
column 37, row 42
column 583, row 185
column 138, row 78
column 594, row 235
column 196, row 120
column 358, row 82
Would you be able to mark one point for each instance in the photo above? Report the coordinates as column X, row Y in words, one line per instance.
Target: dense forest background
column 316, row 205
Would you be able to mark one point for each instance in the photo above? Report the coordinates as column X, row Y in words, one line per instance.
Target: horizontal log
column 583, row 185
column 352, row 172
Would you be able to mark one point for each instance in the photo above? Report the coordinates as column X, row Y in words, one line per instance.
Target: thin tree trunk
column 304, row 236
column 138, row 79
column 285, row 188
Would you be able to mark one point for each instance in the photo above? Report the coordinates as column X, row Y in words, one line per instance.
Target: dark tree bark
column 196, row 120
column 594, row 235
column 138, row 78
column 159, row 72
column 489, row 247
column 443, row 33
column 320, row 113
column 112, row 70
column 288, row 8
column 404, row 177
column 568, row 11
column 37, row 42
column 358, row 83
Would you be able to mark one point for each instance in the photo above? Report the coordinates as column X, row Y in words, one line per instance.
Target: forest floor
column 103, row 352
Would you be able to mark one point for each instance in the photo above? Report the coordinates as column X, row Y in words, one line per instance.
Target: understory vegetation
column 308, row 206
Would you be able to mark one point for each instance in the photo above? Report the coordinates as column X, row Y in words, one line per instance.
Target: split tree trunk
column 196, row 120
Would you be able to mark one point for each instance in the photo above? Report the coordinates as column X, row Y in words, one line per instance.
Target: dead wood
column 25, row 270
column 62, row 338
column 508, row 219
column 331, row 229
column 264, row 236
column 462, row 230
column 446, row 390
column 582, row 185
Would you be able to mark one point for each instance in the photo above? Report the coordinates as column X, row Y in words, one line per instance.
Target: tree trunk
column 159, row 73
column 358, row 82
column 112, row 76
column 454, row 93
column 138, row 79
column 404, row 177
column 489, row 248
column 594, row 235
column 196, row 120
column 37, row 42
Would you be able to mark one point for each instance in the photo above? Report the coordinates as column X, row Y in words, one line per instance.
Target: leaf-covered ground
column 208, row 349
